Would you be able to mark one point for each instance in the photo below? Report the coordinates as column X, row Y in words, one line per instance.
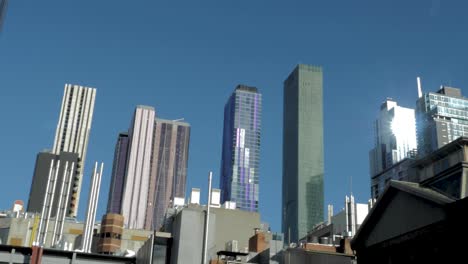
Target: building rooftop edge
column 246, row 88
column 178, row 121
column 145, row 107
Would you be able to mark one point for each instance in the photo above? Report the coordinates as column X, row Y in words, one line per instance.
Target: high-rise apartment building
column 73, row 130
column 441, row 118
column 240, row 172
column 119, row 168
column 150, row 169
column 395, row 140
column 3, row 8
column 168, row 168
column 302, row 152
column 137, row 178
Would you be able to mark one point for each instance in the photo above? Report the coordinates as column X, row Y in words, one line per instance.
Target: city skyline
column 240, row 156
column 186, row 68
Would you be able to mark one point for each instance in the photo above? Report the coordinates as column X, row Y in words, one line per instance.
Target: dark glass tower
column 241, row 148
column 119, row 168
column 169, row 163
column 302, row 152
column 3, row 8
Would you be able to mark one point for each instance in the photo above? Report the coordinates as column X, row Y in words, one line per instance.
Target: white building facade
column 135, row 193
column 73, row 129
column 395, row 139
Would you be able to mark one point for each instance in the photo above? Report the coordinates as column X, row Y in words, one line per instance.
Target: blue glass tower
column 241, row 148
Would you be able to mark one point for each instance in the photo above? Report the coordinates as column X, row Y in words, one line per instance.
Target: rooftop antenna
column 419, row 87
column 178, row 120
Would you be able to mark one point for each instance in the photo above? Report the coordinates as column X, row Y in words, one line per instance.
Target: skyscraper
column 395, row 140
column 73, row 130
column 168, row 168
column 114, row 202
column 240, row 172
column 302, row 152
column 150, row 169
column 441, row 118
column 137, row 179
column 3, row 8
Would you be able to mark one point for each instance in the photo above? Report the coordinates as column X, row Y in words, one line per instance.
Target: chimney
column 215, row 198
column 195, row 196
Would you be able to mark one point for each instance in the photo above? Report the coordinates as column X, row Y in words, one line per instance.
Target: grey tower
column 42, row 172
column 302, row 152
column 114, row 202
column 3, row 8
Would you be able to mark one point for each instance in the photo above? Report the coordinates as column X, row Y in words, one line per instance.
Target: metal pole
column 59, row 207
column 62, row 220
column 88, row 210
column 94, row 207
column 207, row 221
column 41, row 222
column 49, row 211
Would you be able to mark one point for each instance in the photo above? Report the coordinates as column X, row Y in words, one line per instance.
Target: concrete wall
column 297, row 255
column 225, row 225
column 18, row 232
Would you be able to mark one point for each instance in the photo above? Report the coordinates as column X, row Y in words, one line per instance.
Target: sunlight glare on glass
column 401, row 127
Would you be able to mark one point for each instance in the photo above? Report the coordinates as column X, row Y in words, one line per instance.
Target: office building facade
column 168, row 169
column 394, row 141
column 119, row 168
column 302, row 152
column 240, row 173
column 73, row 129
column 135, row 191
column 441, row 117
column 149, row 170
column 395, row 136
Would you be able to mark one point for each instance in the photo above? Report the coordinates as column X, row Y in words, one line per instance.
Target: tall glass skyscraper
column 395, row 140
column 239, row 175
column 302, row 152
column 441, row 118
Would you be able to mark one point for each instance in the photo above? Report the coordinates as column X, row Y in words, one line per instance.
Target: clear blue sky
column 186, row 57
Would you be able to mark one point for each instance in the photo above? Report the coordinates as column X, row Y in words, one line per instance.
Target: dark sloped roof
column 417, row 190
column 394, row 186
